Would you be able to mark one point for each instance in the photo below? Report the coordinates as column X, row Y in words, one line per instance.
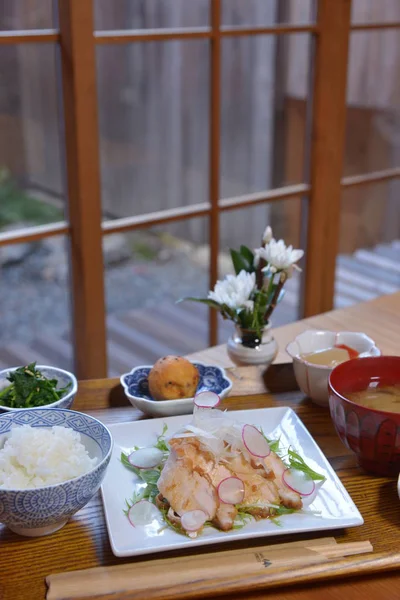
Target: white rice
column 35, row 457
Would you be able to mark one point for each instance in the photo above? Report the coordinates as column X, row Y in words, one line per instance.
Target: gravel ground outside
column 35, row 297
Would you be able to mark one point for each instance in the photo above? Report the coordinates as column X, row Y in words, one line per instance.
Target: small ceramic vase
column 246, row 347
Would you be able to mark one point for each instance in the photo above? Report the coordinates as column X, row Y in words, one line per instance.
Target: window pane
column 263, row 112
column 153, row 100
column 368, row 264
column 246, row 226
column 371, row 11
column 35, row 311
column 266, row 13
column 150, row 14
column 373, row 99
column 30, row 165
column 147, row 271
column 26, row 14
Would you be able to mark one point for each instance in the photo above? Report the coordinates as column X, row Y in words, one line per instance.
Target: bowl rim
column 350, row 402
column 176, row 400
column 337, row 333
column 74, row 479
column 72, row 392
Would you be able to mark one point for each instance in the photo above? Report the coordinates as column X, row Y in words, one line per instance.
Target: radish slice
column 207, row 400
column 307, row 500
column 298, row 482
column 146, row 458
column 231, row 490
column 193, row 520
column 255, row 442
column 143, row 513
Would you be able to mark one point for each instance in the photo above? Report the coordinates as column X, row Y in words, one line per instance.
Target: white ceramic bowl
column 64, row 378
column 135, row 384
column 313, row 379
column 40, row 511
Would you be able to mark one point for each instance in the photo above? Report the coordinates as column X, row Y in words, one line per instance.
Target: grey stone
column 116, row 249
column 15, row 253
column 53, row 263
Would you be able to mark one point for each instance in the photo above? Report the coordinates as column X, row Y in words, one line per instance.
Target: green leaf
column 244, row 317
column 271, row 292
column 228, row 313
column 172, row 525
column 262, row 303
column 149, row 476
column 274, row 445
column 283, row 510
column 242, row 519
column 207, row 301
column 240, row 263
column 30, row 388
column 161, row 443
column 297, row 462
column 248, row 255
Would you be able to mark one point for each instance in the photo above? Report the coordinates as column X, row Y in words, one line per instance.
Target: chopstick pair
column 157, row 579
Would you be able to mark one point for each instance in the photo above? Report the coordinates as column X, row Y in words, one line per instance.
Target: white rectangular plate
column 336, row 508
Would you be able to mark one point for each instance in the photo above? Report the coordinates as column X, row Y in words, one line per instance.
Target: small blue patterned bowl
column 40, row 511
column 64, row 378
column 136, row 387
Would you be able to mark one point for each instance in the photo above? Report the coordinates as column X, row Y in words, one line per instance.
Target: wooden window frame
column 77, row 41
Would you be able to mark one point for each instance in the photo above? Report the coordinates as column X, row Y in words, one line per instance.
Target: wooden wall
column 154, row 116
column 370, row 214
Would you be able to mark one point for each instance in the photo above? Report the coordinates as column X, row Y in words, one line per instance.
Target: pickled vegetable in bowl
column 330, row 357
column 316, row 352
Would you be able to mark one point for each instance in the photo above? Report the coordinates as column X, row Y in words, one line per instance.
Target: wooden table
column 83, row 542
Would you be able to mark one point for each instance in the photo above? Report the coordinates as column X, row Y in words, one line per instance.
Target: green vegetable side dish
column 29, row 388
column 150, row 477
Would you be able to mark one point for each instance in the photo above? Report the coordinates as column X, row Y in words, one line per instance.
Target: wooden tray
column 83, row 542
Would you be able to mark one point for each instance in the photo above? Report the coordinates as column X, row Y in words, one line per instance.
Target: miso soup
column 386, row 398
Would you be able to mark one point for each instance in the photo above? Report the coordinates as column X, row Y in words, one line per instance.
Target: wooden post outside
column 214, row 152
column 328, row 137
column 78, row 68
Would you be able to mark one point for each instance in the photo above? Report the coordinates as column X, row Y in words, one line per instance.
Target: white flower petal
column 267, row 236
column 297, row 255
column 234, row 290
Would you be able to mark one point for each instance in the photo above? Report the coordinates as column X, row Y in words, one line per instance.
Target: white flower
column 267, row 235
column 235, row 290
column 279, row 256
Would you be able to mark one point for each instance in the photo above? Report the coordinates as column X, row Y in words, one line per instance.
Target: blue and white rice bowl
column 64, row 378
column 135, row 383
column 41, row 511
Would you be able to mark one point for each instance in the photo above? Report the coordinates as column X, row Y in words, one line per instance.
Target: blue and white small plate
column 136, row 387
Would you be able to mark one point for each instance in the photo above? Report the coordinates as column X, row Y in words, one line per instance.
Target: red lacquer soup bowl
column 373, row 435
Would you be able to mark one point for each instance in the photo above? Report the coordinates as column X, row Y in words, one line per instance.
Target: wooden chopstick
column 134, row 579
column 346, row 549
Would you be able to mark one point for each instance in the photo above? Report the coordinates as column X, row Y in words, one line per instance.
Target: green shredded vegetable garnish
column 297, row 462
